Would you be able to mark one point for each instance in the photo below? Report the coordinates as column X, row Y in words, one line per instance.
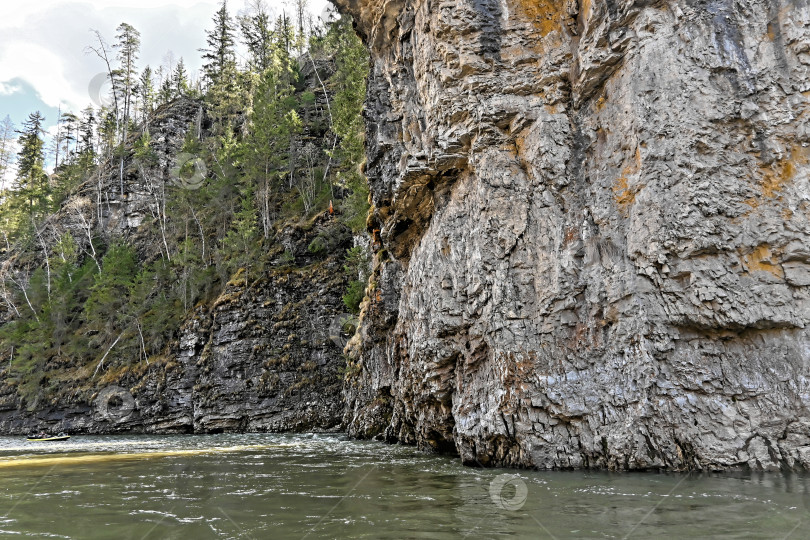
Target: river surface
column 327, row 486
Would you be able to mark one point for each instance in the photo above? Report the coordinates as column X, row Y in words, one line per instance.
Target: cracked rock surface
column 592, row 225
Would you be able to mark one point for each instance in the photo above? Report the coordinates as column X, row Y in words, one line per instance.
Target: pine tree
column 166, row 92
column 108, row 297
column 225, row 86
column 32, row 182
column 58, row 138
column 285, row 33
column 180, row 79
column 257, row 35
column 274, row 126
column 240, row 241
column 301, row 8
column 126, row 76
column 71, row 123
column 86, row 130
column 349, row 84
column 146, row 92
column 219, row 56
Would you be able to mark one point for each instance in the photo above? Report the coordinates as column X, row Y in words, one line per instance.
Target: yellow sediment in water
column 45, row 461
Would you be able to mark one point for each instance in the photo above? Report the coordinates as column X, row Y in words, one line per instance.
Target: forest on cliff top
column 173, row 188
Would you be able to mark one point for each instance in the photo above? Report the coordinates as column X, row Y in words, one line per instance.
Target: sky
column 43, row 58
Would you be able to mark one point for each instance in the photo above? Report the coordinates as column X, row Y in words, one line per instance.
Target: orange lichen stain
column 571, row 234
column 600, row 103
column 770, row 35
column 762, row 260
column 585, row 8
column 520, row 142
column 624, row 194
column 545, row 15
column 778, row 175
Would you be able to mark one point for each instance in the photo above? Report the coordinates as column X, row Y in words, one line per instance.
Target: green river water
column 327, row 486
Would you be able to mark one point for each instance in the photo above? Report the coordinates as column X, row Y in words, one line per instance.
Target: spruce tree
column 219, row 55
column 146, row 92
column 71, row 125
column 180, row 79
column 166, row 92
column 257, row 35
column 105, row 307
column 86, row 130
column 274, row 126
column 32, row 182
column 126, row 77
column 349, row 84
column 224, row 81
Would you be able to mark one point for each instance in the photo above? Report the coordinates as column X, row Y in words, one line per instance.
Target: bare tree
column 77, row 207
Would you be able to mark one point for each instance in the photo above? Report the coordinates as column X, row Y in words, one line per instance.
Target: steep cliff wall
column 265, row 356
column 593, row 232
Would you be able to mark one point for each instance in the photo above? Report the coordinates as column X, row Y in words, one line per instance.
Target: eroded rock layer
column 592, row 230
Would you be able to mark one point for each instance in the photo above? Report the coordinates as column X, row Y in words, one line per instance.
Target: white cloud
column 43, row 42
column 8, row 88
column 44, row 70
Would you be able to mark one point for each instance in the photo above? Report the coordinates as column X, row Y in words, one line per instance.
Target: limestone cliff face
column 593, row 220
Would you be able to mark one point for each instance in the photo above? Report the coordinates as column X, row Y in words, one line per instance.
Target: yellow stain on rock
column 623, row 193
column 781, row 173
column 545, row 15
column 762, row 260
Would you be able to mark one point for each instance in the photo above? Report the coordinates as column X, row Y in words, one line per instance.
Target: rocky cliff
column 264, row 354
column 592, row 232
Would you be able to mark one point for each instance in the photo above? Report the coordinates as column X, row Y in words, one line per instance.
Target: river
column 327, row 486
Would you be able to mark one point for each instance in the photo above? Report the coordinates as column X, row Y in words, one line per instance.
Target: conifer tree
column 32, row 182
column 166, row 92
column 180, row 79
column 349, row 84
column 301, row 8
column 146, row 92
column 224, row 82
column 219, row 56
column 274, row 125
column 108, row 296
column 86, row 129
column 257, row 35
column 126, row 77
column 56, row 141
column 71, row 127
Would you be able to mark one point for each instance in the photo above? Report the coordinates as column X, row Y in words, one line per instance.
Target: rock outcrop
column 264, row 355
column 593, row 232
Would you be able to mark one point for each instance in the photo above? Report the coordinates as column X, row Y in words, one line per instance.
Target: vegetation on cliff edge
column 272, row 140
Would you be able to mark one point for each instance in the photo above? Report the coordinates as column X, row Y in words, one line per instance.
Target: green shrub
column 354, row 295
